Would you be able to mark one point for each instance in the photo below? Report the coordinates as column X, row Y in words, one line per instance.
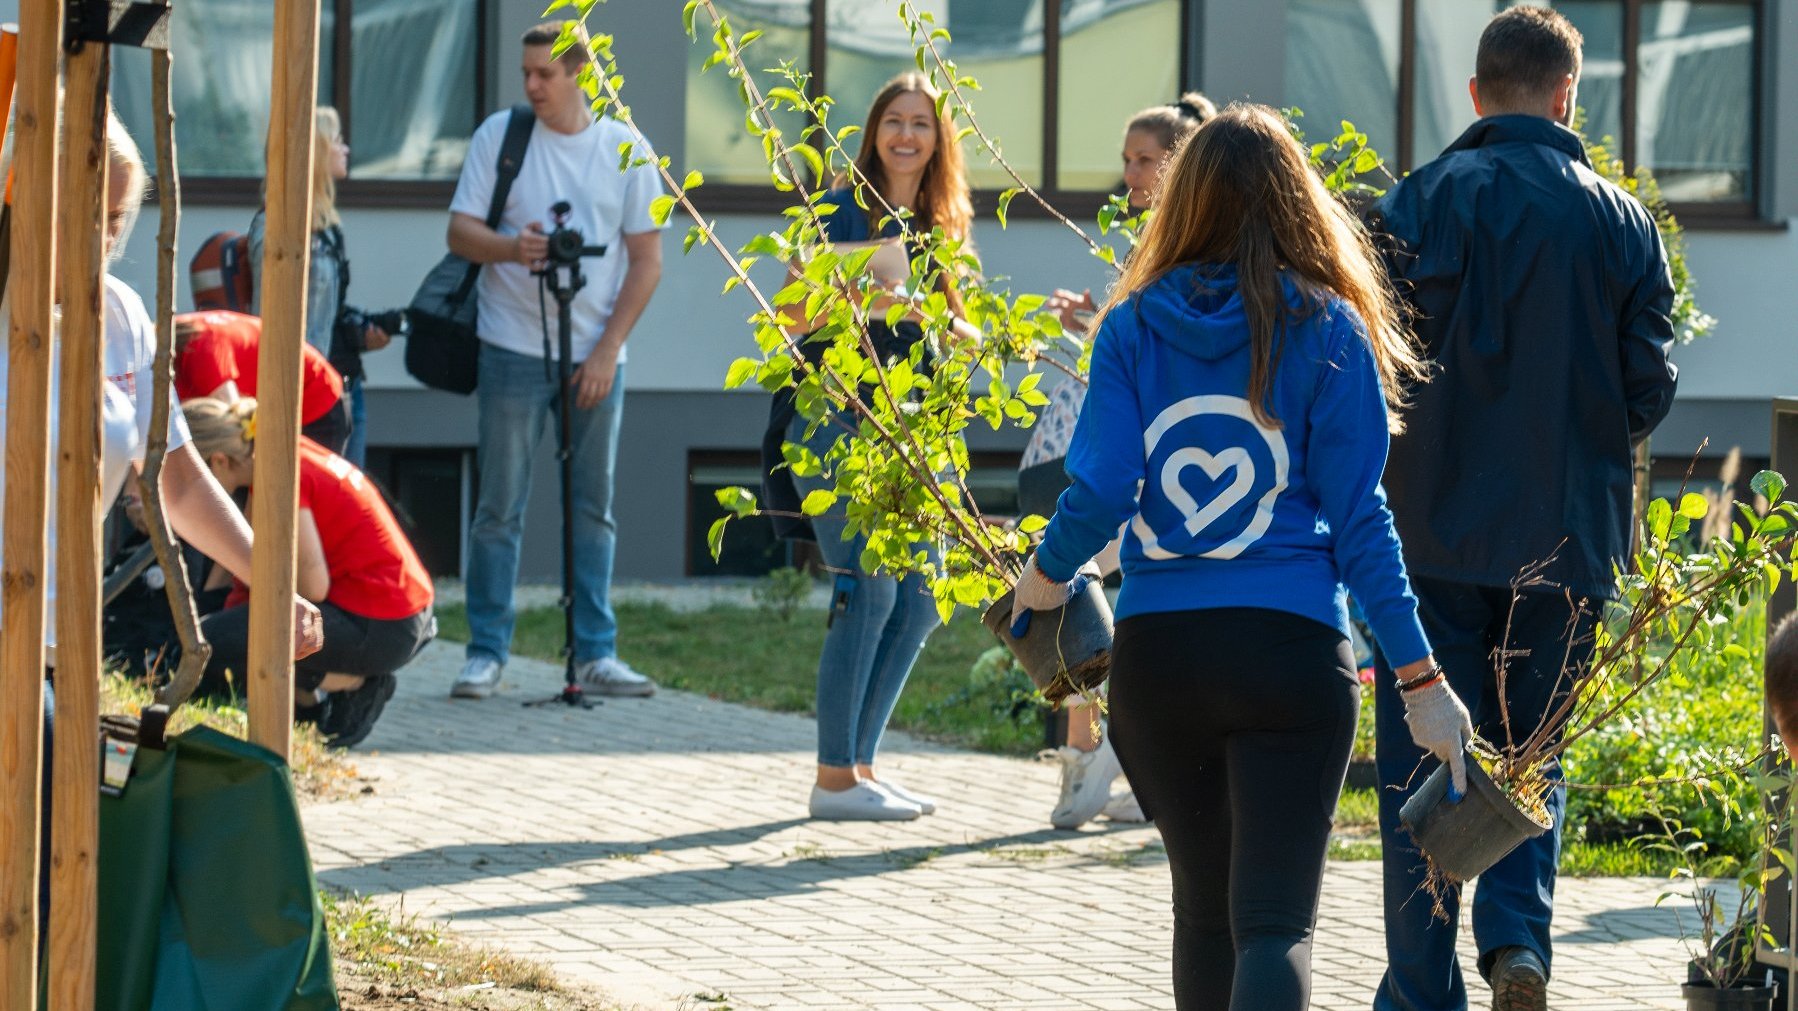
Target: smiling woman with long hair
column 1245, row 375
column 911, row 161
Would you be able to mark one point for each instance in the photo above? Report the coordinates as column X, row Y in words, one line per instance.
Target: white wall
column 691, row 332
column 1747, row 280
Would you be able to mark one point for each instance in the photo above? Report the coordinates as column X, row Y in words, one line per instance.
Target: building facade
column 1691, row 88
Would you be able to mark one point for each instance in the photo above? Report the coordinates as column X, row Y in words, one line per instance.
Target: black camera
column 349, row 337
column 567, row 245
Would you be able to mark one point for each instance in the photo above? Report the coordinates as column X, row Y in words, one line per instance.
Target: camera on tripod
column 566, row 244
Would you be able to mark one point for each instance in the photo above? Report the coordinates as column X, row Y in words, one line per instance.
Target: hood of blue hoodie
column 1198, row 309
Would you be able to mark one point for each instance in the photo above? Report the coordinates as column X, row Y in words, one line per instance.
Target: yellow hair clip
column 249, row 427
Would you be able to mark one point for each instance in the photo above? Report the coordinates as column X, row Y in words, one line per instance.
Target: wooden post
column 22, row 542
column 286, row 253
column 27, row 463
column 75, row 823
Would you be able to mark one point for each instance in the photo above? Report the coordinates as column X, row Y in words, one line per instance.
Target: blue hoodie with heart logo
column 1218, row 509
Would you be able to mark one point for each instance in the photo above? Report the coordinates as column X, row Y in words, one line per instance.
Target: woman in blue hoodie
column 1245, row 377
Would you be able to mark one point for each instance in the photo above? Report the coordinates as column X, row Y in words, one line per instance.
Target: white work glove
column 1037, row 592
column 1440, row 725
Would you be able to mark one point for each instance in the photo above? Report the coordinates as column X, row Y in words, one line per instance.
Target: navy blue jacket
column 1542, row 296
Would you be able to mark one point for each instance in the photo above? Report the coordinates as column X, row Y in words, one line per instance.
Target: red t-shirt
column 374, row 571
column 225, row 351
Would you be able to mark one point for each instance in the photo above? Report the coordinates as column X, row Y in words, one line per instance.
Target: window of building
column 1670, row 82
column 404, row 75
column 1057, row 114
column 1342, row 64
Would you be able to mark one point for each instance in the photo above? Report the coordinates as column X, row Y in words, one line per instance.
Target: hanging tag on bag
column 116, row 757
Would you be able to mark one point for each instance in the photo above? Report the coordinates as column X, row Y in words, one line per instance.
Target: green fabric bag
column 205, row 855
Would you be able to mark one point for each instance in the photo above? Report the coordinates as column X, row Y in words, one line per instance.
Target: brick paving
column 659, row 849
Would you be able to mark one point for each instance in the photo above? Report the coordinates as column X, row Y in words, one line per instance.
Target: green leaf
column 739, row 501
column 694, row 180
column 818, row 502
column 741, row 371
column 714, row 537
column 1769, row 483
column 695, row 235
column 1032, row 523
column 686, row 20
column 1005, row 204
column 1660, row 517
column 1693, row 506
column 660, row 208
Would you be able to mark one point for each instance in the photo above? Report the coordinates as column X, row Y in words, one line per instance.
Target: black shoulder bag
column 443, row 347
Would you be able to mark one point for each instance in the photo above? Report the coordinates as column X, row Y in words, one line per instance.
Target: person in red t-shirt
column 354, row 562
column 215, row 356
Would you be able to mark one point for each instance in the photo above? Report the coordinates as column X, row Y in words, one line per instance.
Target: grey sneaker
column 612, row 676
column 1085, row 784
column 479, row 678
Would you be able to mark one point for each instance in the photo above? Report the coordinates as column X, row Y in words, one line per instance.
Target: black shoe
column 1519, row 981
column 349, row 716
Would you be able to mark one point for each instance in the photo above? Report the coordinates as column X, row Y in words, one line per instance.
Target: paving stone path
column 659, row 849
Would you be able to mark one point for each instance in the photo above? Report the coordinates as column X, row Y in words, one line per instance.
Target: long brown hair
column 1242, row 192
column 943, row 198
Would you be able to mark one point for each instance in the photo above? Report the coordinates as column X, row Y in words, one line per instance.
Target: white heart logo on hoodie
column 1236, row 459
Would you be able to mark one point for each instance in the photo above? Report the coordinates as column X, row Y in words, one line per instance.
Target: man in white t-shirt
column 572, row 157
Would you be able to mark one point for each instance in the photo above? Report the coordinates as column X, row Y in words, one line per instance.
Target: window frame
column 237, row 191
column 1743, row 214
column 745, row 197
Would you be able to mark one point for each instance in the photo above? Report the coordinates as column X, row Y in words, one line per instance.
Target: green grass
column 750, row 656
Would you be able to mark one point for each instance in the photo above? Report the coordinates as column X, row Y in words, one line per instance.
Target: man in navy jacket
column 1542, row 296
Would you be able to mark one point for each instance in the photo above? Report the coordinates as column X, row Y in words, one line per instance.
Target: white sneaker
column 479, row 677
column 862, row 802
column 923, row 804
column 612, row 676
column 1123, row 807
column 1085, row 783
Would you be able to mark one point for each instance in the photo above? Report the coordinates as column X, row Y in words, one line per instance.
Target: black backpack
column 443, row 347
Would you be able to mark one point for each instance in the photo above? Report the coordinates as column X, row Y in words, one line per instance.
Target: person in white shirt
column 198, row 508
column 572, row 156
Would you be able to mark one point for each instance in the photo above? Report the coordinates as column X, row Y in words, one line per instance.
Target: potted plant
column 1723, row 973
column 1672, row 608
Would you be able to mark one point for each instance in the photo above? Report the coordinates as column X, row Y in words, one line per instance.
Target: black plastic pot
column 1466, row 838
column 1066, row 650
column 1705, row 997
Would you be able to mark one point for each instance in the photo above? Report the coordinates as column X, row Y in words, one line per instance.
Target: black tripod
column 565, row 253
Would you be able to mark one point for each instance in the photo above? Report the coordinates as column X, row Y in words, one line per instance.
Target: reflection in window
column 412, row 90
column 1448, row 37
column 221, row 101
column 717, row 144
column 1098, row 96
column 1342, row 64
column 998, row 42
column 412, row 93
column 1696, row 98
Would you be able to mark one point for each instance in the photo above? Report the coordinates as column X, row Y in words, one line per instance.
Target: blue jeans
column 1513, row 902
column 518, row 405
column 879, row 629
column 357, row 450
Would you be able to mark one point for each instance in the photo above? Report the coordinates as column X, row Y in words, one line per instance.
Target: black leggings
column 370, row 647
column 1234, row 726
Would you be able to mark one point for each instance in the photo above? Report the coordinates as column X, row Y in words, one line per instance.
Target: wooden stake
column 75, row 824
column 22, row 542
column 177, row 586
column 286, row 254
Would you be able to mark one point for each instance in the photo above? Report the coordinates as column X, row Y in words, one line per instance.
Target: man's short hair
column 547, row 33
column 1525, row 52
